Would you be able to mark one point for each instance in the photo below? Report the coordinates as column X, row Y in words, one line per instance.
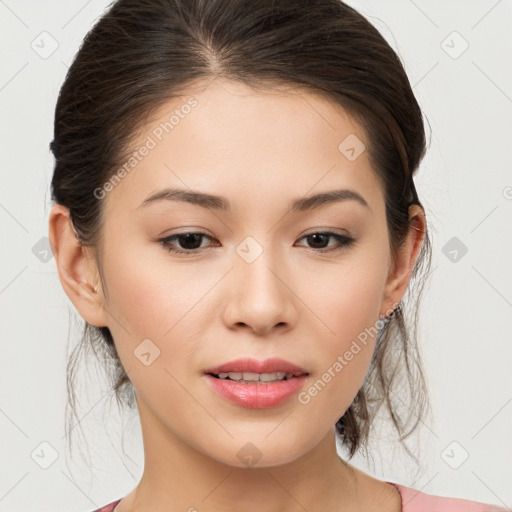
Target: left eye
column 321, row 236
column 190, row 241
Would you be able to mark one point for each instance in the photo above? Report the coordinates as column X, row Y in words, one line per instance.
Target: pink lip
column 256, row 395
column 254, row 366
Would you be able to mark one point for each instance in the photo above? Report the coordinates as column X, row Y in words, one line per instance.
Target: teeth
column 255, row 377
column 265, row 377
column 251, row 376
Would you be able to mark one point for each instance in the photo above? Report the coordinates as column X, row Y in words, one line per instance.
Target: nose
column 261, row 297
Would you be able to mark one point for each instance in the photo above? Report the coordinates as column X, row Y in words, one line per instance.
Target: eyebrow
column 222, row 204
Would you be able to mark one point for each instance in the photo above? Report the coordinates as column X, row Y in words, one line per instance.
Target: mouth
column 256, row 384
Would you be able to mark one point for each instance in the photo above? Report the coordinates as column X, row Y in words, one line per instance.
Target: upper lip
column 255, row 366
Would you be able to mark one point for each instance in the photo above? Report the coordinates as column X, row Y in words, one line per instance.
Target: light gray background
column 465, row 183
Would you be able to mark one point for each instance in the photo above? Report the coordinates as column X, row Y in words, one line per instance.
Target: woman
column 236, row 221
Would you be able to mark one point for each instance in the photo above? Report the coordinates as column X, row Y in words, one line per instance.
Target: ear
column 401, row 270
column 78, row 272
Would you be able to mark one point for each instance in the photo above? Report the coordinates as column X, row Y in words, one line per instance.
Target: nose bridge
column 260, row 299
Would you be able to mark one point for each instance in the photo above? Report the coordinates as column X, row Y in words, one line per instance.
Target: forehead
column 230, row 139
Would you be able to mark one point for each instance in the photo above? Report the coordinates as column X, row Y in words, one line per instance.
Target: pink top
column 412, row 501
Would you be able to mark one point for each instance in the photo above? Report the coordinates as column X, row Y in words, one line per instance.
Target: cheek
column 347, row 298
column 347, row 303
column 149, row 294
column 151, row 298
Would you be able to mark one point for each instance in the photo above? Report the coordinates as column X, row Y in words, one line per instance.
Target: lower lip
column 257, row 395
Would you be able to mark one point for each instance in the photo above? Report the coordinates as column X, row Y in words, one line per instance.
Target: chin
column 260, row 452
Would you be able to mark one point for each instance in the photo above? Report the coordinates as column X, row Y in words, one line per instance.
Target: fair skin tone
column 259, row 150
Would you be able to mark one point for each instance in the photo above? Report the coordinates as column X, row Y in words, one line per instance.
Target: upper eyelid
column 332, row 231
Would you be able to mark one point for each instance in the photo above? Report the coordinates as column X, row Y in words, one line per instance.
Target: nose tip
column 258, row 299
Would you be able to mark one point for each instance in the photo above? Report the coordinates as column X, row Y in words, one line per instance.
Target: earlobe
column 77, row 270
column 406, row 257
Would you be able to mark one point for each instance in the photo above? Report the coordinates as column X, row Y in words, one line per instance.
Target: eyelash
column 343, row 242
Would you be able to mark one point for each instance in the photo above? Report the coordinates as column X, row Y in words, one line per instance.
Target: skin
column 260, row 150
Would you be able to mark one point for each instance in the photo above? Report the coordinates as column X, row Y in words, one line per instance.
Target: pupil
column 316, row 236
column 188, row 237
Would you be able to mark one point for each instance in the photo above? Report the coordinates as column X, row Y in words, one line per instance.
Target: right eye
column 189, row 240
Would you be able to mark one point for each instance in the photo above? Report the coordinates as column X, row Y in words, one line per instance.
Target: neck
column 178, row 478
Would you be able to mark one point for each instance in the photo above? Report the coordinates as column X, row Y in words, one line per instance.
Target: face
column 256, row 278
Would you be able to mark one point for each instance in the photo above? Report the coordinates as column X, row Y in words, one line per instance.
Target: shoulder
column 417, row 501
column 109, row 507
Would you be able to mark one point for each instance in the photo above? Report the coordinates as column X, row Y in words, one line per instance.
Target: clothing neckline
column 395, row 485
column 115, row 503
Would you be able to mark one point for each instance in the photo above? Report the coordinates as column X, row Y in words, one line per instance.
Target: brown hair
column 142, row 53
